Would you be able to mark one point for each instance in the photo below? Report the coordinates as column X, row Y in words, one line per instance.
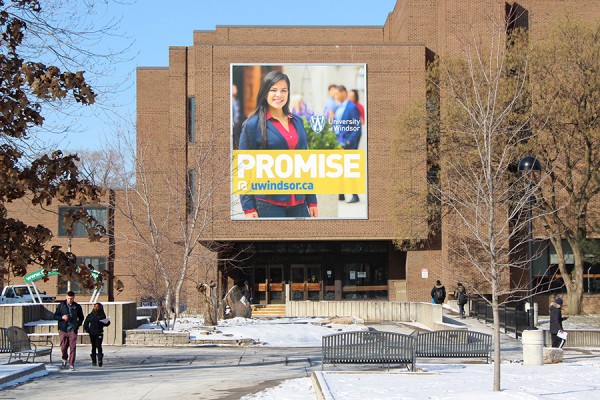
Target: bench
column 21, row 345
column 454, row 343
column 368, row 348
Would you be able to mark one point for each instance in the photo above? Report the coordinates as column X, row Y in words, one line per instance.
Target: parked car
column 20, row 294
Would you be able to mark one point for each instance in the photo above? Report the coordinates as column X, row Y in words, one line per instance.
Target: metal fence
column 512, row 320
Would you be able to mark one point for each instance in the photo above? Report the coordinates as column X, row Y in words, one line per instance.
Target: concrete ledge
column 158, row 338
column 39, row 318
column 318, row 384
column 82, row 337
column 577, row 338
column 321, row 387
column 428, row 314
column 155, row 337
column 18, row 370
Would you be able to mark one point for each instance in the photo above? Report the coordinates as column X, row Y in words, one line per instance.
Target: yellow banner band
column 299, row 171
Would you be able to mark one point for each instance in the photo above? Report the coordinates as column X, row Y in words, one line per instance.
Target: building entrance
column 269, row 284
column 317, row 271
column 306, row 282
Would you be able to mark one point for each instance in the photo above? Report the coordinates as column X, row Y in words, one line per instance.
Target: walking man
column 461, row 296
column 438, row 293
column 70, row 317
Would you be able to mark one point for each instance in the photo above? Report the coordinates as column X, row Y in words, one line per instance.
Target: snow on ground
column 569, row 380
column 576, row 379
column 277, row 332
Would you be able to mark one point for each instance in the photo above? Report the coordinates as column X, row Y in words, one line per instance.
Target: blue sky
column 154, row 25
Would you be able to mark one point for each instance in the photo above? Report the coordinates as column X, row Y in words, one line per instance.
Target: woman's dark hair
column 261, row 102
column 355, row 95
column 101, row 313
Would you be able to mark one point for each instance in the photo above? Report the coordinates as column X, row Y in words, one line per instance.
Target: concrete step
column 268, row 310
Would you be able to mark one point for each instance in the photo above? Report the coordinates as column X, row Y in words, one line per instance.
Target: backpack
column 462, row 297
column 438, row 295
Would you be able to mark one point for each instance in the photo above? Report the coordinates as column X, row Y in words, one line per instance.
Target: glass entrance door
column 268, row 284
column 297, row 286
column 306, row 282
column 276, row 285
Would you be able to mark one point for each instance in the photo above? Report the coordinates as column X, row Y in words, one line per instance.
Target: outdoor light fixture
column 528, row 165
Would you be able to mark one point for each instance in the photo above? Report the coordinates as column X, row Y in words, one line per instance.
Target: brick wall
column 82, row 247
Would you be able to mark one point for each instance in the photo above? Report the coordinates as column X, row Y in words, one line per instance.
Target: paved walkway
column 168, row 373
column 197, row 372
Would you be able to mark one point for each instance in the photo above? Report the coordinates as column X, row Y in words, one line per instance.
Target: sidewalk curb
column 318, row 384
column 323, row 392
column 18, row 371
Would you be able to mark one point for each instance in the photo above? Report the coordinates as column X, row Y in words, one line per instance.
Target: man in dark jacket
column 70, row 317
column 556, row 320
column 438, row 292
column 462, row 298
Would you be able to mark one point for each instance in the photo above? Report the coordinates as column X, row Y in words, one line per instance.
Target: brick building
column 186, row 138
column 98, row 254
column 185, row 112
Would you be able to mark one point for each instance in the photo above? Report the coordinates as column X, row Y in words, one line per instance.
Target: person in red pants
column 70, row 317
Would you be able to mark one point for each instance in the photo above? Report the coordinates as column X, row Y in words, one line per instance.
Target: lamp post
column 69, row 250
column 527, row 165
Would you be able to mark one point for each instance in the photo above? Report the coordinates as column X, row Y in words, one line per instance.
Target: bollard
column 533, row 347
column 535, row 312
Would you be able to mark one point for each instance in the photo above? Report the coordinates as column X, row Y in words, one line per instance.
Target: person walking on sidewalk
column 94, row 325
column 70, row 317
column 438, row 293
column 556, row 320
column 461, row 296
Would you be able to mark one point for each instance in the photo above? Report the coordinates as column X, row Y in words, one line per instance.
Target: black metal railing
column 512, row 319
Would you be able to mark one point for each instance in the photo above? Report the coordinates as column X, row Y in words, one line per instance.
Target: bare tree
column 167, row 216
column 566, row 88
column 106, row 168
column 475, row 144
column 73, row 36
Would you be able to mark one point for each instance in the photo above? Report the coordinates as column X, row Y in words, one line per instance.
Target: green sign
column 34, row 276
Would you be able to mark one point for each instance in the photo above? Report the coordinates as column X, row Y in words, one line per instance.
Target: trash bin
column 533, row 347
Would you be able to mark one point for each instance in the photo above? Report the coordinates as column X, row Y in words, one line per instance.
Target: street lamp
column 527, row 165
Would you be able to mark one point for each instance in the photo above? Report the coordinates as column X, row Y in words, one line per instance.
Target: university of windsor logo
column 317, row 123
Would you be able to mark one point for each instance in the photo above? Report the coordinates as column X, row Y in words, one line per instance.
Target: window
column 191, row 191
column 364, row 280
column 79, row 229
column 191, row 119
column 98, row 264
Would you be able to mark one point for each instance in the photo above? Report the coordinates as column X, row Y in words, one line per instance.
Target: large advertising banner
column 299, row 141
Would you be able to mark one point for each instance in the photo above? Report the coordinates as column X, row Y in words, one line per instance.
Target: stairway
column 268, row 310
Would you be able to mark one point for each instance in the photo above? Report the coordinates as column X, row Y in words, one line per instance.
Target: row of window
column 191, row 137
